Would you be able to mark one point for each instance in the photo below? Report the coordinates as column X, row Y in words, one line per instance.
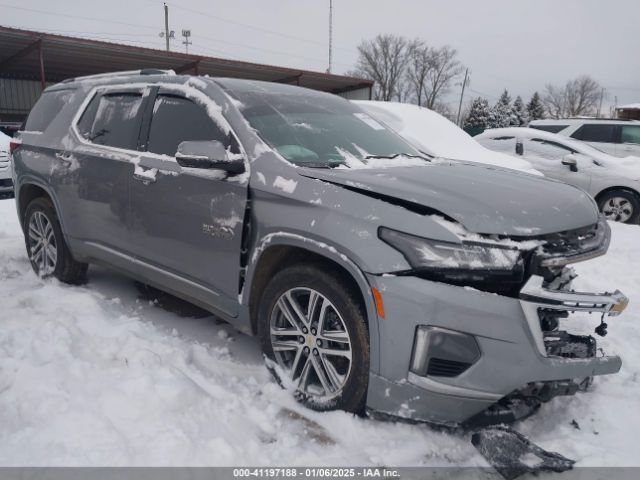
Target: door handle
column 145, row 176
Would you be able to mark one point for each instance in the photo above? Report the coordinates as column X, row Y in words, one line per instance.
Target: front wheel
column 313, row 330
column 620, row 206
column 46, row 247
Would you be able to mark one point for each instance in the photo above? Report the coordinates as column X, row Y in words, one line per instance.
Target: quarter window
column 596, row 133
column 630, row 134
column 112, row 119
column 177, row 119
column 46, row 109
column 549, row 128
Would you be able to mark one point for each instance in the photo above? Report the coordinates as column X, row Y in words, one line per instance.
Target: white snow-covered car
column 614, row 182
column 434, row 134
column 6, row 182
column 617, row 137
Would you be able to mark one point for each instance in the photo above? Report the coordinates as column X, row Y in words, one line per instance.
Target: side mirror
column 519, row 148
column 571, row 162
column 208, row 154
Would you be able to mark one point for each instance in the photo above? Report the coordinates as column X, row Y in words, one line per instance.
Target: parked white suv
column 616, row 137
column 6, row 183
column 613, row 182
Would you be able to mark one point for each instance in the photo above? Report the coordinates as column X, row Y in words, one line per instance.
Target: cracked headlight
column 461, row 261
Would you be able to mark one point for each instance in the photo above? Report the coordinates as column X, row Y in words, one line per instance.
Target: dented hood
column 483, row 200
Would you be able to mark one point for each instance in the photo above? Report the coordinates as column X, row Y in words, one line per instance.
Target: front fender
column 330, row 252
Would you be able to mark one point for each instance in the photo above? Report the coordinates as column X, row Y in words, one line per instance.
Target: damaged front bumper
column 522, row 357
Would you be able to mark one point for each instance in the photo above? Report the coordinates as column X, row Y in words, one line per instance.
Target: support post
column 43, row 79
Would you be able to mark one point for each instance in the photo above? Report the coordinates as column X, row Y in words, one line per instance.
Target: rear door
column 600, row 135
column 187, row 223
column 629, row 141
column 94, row 191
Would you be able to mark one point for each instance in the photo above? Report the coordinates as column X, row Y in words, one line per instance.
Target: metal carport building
column 31, row 60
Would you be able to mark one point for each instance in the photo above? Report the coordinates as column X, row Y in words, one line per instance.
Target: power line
column 253, row 27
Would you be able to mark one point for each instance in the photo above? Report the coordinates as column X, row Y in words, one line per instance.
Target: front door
column 547, row 157
column 187, row 223
column 629, row 141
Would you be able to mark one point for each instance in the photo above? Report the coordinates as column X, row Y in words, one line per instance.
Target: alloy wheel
column 311, row 343
column 619, row 209
column 43, row 248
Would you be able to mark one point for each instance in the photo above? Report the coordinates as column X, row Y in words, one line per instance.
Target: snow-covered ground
column 101, row 375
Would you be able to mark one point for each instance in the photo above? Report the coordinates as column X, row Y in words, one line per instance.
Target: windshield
column 315, row 129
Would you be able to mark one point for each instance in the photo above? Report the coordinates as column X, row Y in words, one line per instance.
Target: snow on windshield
column 437, row 136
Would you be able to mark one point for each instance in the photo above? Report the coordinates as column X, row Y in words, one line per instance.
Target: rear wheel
column 620, row 206
column 47, row 250
column 313, row 329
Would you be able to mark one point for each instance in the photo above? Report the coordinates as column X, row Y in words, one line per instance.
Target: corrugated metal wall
column 18, row 96
column 360, row 94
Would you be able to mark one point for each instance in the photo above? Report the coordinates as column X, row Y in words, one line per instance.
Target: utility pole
column 330, row 33
column 600, row 105
column 186, row 34
column 166, row 25
column 464, row 84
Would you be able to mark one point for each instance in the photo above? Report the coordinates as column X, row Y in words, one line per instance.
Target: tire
column 52, row 259
column 620, row 206
column 345, row 376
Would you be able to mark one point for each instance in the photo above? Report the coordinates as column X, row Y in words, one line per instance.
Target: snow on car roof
column 436, row 135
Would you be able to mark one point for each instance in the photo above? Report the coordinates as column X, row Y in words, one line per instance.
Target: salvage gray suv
column 377, row 278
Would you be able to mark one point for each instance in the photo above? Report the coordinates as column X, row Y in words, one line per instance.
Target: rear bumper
column 507, row 331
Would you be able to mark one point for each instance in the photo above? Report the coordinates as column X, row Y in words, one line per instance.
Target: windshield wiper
column 396, row 155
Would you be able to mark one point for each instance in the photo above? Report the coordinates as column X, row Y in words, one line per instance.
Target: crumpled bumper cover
column 508, row 333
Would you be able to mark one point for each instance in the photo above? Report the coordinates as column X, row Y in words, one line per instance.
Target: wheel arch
column 600, row 194
column 28, row 192
column 278, row 251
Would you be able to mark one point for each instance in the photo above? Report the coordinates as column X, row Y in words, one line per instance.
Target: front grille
column 439, row 367
column 6, row 183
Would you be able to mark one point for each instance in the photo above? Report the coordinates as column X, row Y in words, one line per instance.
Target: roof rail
column 126, row 73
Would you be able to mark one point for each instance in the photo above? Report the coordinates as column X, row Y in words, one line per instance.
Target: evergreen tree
column 501, row 114
column 478, row 114
column 519, row 113
column 535, row 108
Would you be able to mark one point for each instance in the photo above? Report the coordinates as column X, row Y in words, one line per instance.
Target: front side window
column 546, row 149
column 630, row 134
column 315, row 129
column 113, row 120
column 596, row 133
column 177, row 119
column 46, row 109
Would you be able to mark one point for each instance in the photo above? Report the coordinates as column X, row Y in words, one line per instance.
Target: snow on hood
column 434, row 134
column 483, row 200
column 4, row 142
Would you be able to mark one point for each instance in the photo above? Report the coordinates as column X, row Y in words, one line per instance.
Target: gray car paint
column 153, row 231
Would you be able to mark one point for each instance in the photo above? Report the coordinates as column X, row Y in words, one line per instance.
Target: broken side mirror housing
column 210, row 154
column 571, row 162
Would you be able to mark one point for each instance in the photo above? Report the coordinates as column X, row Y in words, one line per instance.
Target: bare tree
column 583, row 95
column 420, row 62
column 444, row 68
column 579, row 96
column 384, row 60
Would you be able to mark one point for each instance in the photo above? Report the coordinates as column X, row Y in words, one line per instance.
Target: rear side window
column 596, row 133
column 177, row 119
column 500, row 144
column 549, row 128
column 630, row 134
column 112, row 119
column 46, row 109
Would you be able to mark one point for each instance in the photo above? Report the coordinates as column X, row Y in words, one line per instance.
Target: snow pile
column 434, row 134
column 97, row 375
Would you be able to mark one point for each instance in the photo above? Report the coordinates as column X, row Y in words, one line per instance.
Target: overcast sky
column 518, row 44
